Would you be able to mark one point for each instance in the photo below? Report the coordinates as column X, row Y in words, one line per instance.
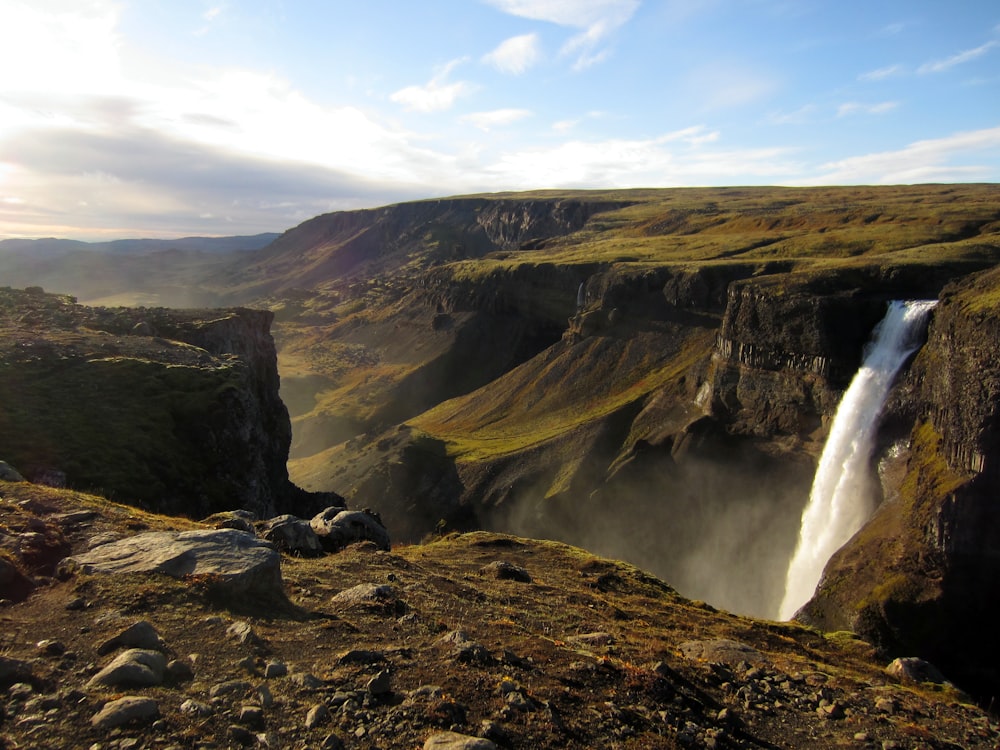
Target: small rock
column 195, row 708
column 380, row 684
column 362, row 656
column 455, row 741
column 306, row 681
column 251, row 716
column 179, row 670
column 76, row 603
column 140, row 635
column 240, row 735
column 50, row 647
column 229, row 688
column 505, row 571
column 337, row 528
column 293, row 535
column 14, row 670
column 130, row 708
column 914, row 669
column 242, row 632
column 275, row 669
column 832, row 711
column 318, row 714
column 264, row 696
column 886, row 706
column 332, row 742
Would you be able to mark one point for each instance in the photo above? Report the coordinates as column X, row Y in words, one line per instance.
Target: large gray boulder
column 291, row 534
column 337, row 528
column 133, row 668
column 237, row 562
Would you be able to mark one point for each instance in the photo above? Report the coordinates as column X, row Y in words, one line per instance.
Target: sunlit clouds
column 515, row 55
column 119, row 118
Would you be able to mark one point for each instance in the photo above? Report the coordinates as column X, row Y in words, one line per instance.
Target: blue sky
column 160, row 118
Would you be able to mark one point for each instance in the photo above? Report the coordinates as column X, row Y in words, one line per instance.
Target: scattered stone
column 251, row 716
column 382, row 597
column 140, row 635
column 235, row 561
column 505, row 571
column 318, row 714
column 179, row 670
column 886, row 706
column 337, row 528
column 242, row 632
column 831, row 711
column 455, row 741
column 332, row 742
column 723, row 651
column 76, row 603
column 195, row 708
column 121, row 711
column 306, row 681
column 264, row 696
column 915, row 670
column 240, row 735
column 133, row 668
column 275, row 669
column 291, row 534
column 229, row 688
column 49, row 647
column 362, row 656
column 380, row 685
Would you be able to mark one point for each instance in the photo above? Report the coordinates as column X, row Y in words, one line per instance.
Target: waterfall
column 840, row 499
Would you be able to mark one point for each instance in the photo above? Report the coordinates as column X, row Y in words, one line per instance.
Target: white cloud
column 854, row 108
column 496, row 118
column 939, row 66
column 799, row 116
column 881, row 74
column 515, row 55
column 920, row 161
column 436, row 95
column 597, row 18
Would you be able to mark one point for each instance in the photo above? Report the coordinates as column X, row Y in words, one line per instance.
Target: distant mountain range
column 126, row 272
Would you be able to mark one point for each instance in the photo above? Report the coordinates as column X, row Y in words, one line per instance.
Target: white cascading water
column 840, row 500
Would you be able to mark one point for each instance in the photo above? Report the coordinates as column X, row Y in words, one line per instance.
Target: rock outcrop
column 173, row 410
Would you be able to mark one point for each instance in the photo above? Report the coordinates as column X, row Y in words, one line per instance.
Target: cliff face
column 173, row 410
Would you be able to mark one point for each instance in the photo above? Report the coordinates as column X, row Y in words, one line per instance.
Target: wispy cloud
column 859, row 108
column 939, row 66
column 597, row 19
column 920, row 161
column 515, row 55
column 437, row 94
column 880, row 74
column 496, row 118
column 800, row 116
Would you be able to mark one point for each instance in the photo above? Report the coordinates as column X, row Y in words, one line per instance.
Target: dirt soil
column 529, row 643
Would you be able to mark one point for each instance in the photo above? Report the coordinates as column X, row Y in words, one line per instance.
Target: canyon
column 650, row 375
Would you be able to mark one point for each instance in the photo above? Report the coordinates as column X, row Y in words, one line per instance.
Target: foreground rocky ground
column 470, row 641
